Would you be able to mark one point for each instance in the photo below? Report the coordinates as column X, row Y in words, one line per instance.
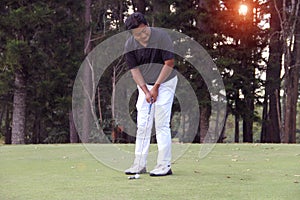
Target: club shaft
column 145, row 132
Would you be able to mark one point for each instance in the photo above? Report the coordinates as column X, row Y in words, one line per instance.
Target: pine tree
column 40, row 42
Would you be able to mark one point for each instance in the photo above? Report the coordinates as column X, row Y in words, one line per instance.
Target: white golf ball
column 137, row 176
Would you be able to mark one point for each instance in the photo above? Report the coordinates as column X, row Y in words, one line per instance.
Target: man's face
column 142, row 33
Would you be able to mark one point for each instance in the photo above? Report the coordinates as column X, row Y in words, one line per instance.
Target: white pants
column 161, row 113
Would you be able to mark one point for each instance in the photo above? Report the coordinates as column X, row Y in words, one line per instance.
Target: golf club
column 137, row 176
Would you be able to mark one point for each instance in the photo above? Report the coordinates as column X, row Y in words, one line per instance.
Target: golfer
column 151, row 62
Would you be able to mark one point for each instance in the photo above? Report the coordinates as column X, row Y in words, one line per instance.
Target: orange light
column 243, row 9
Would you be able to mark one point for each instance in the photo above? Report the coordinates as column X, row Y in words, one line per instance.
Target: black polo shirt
column 150, row 59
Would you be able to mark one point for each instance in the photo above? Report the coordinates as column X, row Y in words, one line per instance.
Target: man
column 151, row 62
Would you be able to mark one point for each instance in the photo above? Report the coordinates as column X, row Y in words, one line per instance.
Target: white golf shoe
column 161, row 170
column 136, row 169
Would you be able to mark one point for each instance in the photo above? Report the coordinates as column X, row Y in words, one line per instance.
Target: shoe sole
column 168, row 173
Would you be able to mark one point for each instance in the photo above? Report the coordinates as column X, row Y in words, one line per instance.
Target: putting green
column 230, row 171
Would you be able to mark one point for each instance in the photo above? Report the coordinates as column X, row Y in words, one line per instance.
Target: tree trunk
column 88, row 32
column 247, row 129
column 113, row 94
column 73, row 133
column 292, row 84
column 237, row 128
column 291, row 78
column 99, row 106
column 19, row 109
column 248, row 117
column 2, row 112
column 202, row 25
column 204, row 122
column 36, row 126
column 113, row 116
column 248, row 92
column 222, row 135
column 7, row 126
column 270, row 127
column 86, row 128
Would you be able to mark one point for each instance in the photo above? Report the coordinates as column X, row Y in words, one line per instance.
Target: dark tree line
column 43, row 44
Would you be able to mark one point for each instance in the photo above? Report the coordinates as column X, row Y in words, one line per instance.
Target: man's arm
column 139, row 80
column 164, row 74
column 165, row 71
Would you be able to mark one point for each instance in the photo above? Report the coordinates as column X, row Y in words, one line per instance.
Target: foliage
column 45, row 39
column 56, row 136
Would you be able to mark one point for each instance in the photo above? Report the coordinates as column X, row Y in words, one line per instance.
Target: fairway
column 230, row 171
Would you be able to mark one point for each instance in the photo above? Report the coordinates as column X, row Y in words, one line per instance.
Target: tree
column 86, row 82
column 17, row 35
column 242, row 48
column 39, row 58
column 44, row 37
column 289, row 29
column 234, row 42
column 271, row 126
column 102, row 19
column 19, row 49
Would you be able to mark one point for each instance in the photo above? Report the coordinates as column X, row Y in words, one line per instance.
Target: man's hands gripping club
column 151, row 96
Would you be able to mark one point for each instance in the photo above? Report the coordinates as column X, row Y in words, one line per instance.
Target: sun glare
column 243, row 10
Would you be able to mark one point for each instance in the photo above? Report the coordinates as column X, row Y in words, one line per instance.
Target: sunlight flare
column 243, row 9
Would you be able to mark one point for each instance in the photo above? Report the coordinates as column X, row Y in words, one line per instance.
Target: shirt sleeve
column 130, row 60
column 130, row 57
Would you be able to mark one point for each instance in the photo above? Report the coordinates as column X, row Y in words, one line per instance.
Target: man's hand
column 154, row 93
column 148, row 94
column 164, row 74
column 151, row 95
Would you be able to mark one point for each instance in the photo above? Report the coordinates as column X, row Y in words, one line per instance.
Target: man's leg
column 163, row 108
column 142, row 142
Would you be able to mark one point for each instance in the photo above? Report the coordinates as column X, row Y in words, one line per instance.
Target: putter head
column 137, row 176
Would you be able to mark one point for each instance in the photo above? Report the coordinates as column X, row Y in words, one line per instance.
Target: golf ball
column 137, row 176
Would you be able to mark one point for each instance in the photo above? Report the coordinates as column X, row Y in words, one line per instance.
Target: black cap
column 135, row 20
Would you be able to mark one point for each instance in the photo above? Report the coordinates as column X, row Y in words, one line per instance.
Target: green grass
column 230, row 171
